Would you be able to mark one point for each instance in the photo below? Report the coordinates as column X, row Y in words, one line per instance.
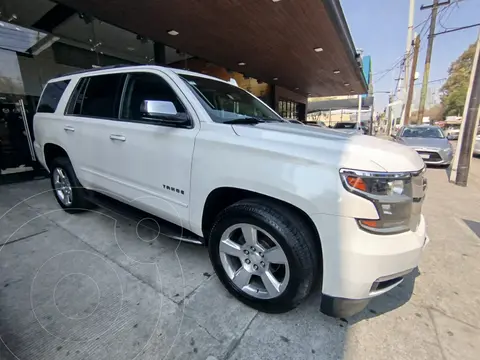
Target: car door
column 153, row 159
column 95, row 106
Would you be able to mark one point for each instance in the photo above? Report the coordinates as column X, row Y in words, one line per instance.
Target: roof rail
column 96, row 69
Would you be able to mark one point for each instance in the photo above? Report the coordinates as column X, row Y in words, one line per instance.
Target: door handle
column 69, row 128
column 118, row 137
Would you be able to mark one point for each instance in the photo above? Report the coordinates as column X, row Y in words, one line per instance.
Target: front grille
column 429, row 155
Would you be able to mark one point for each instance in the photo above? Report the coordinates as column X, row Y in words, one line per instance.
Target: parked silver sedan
column 429, row 141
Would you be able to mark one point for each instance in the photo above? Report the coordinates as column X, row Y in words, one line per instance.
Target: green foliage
column 454, row 91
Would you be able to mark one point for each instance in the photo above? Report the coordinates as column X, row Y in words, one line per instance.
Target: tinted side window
column 102, row 96
column 51, row 96
column 145, row 86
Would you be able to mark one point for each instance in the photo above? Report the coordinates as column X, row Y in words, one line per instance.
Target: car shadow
column 474, row 226
column 389, row 301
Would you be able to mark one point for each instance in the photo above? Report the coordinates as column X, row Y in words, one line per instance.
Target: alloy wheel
column 62, row 186
column 254, row 261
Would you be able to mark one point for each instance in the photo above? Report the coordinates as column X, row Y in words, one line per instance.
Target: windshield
column 225, row 102
column 345, row 125
column 423, row 132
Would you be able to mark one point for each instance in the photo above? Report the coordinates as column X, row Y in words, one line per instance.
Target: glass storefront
column 29, row 58
column 20, row 87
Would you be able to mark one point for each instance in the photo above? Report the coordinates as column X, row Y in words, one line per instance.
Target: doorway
column 17, row 155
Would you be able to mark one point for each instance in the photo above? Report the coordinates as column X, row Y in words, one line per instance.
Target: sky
column 379, row 28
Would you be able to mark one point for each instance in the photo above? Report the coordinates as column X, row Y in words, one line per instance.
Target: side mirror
column 162, row 111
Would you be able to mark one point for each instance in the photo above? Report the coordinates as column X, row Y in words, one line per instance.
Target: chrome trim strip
column 384, row 290
column 375, row 174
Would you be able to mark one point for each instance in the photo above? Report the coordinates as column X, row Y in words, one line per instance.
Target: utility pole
column 408, row 58
column 411, row 82
column 428, row 57
column 372, row 113
column 359, row 111
column 409, row 41
column 471, row 115
column 389, row 115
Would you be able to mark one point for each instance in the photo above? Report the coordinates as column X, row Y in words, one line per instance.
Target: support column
column 159, row 53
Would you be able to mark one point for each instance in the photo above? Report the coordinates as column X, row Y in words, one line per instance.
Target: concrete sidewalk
column 99, row 286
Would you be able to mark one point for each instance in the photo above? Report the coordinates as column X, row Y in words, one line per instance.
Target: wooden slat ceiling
column 274, row 39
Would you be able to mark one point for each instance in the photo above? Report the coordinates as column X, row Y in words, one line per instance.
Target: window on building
column 51, row 96
column 102, row 96
column 288, row 109
column 146, row 86
column 281, row 108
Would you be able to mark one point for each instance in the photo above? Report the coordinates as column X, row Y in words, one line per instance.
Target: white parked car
column 349, row 128
column 281, row 207
column 476, row 146
column 452, row 132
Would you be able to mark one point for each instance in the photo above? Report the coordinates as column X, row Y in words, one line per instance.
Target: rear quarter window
column 51, row 96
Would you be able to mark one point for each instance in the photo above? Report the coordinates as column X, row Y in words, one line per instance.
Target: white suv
column 281, row 207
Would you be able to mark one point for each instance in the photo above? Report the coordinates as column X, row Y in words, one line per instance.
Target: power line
column 447, row 12
column 395, row 64
column 423, row 35
column 390, row 70
column 432, row 81
column 423, row 22
column 402, row 67
column 402, row 57
column 457, row 29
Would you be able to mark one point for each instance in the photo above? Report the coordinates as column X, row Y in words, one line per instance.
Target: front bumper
column 435, row 156
column 358, row 266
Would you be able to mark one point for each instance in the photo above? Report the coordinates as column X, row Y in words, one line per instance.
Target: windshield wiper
column 245, row 120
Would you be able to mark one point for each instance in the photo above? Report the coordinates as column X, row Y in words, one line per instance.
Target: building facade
column 41, row 39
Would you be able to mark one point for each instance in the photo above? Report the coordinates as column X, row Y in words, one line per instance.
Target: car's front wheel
column 264, row 254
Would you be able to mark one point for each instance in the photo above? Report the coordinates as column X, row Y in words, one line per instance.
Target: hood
column 339, row 149
column 427, row 143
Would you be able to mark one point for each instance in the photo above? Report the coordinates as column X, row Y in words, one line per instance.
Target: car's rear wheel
column 68, row 191
column 264, row 254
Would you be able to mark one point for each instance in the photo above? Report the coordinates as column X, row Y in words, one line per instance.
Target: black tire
column 79, row 193
column 294, row 236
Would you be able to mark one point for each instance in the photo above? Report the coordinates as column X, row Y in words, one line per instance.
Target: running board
column 131, row 213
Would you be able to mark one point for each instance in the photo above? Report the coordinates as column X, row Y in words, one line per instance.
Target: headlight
column 391, row 193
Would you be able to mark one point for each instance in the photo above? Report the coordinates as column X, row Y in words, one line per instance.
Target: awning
column 350, row 102
column 304, row 46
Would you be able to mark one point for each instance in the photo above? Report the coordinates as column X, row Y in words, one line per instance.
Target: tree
column 435, row 113
column 454, row 91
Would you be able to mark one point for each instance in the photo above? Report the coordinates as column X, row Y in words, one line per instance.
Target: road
column 98, row 286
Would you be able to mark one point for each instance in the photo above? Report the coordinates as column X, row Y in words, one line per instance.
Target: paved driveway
column 98, row 285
